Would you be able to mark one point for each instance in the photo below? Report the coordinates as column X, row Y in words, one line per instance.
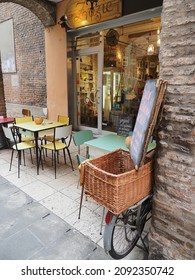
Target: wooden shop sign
column 78, row 13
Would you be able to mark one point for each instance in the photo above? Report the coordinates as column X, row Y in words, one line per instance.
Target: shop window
column 127, row 65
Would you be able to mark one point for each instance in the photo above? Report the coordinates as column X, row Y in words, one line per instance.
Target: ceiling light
column 158, row 42
column 150, row 49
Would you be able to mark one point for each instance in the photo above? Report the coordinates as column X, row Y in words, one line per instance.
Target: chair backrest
column 11, row 134
column 23, row 119
column 26, row 112
column 8, row 133
column 63, row 131
column 82, row 136
column 63, row 119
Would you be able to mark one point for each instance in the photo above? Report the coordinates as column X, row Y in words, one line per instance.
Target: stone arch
column 44, row 10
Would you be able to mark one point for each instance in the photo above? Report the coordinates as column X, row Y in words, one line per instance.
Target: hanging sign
column 78, row 13
column 125, row 125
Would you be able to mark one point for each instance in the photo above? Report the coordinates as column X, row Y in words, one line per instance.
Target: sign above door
column 79, row 13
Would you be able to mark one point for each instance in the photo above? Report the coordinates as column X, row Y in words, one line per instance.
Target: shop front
column 109, row 63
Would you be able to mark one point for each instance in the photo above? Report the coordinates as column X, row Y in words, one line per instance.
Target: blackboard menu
column 125, row 125
column 143, row 121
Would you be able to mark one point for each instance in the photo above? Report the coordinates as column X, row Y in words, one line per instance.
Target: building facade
column 26, row 86
column 118, row 48
column 39, row 78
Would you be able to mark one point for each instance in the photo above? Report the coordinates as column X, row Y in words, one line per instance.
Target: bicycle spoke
column 125, row 233
column 127, row 229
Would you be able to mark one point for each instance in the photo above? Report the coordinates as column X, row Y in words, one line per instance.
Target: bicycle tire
column 124, row 232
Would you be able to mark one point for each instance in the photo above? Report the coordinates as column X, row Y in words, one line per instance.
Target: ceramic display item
column 38, row 120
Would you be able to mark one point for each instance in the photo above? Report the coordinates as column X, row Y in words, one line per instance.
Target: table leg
column 37, row 150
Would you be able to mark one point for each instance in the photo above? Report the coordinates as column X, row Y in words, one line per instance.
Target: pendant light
column 150, row 49
column 158, row 38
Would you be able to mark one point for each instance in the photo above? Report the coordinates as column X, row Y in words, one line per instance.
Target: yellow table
column 35, row 129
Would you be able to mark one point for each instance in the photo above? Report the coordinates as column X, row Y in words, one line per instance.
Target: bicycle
column 123, row 229
column 122, row 232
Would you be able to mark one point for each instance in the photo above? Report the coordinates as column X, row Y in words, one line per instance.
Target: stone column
column 2, row 108
column 2, row 97
column 172, row 234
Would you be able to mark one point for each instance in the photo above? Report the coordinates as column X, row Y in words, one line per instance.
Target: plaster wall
column 56, row 72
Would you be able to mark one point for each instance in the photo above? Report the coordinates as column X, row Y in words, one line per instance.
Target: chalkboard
column 125, row 125
column 146, row 118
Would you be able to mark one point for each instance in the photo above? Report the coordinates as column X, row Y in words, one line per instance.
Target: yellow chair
column 63, row 119
column 62, row 132
column 23, row 119
column 25, row 135
column 11, row 135
column 50, row 138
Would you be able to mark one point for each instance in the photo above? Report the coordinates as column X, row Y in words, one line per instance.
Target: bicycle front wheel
column 123, row 233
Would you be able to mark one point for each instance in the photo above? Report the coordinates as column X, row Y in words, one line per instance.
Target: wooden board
column 78, row 13
column 146, row 119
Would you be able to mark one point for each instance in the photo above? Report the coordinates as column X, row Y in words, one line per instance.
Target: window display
column 130, row 57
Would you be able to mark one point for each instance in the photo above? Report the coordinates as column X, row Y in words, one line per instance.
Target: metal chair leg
column 19, row 163
column 40, row 158
column 54, row 154
column 70, row 159
column 64, row 156
column 23, row 158
column 31, row 156
column 11, row 160
column 81, row 201
column 58, row 156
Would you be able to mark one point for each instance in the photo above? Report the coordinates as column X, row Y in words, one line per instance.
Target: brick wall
column 44, row 10
column 173, row 224
column 30, row 89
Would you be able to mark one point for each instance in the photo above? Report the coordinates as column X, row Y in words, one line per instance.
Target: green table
column 109, row 143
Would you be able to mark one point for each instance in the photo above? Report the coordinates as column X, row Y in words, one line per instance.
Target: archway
column 54, row 39
column 44, row 10
column 25, row 82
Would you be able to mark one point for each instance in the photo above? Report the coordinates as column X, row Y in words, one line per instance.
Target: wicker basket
column 112, row 181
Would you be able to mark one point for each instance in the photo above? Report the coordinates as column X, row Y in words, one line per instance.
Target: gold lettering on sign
column 78, row 13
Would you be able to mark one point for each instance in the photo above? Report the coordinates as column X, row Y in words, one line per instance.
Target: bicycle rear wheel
column 123, row 232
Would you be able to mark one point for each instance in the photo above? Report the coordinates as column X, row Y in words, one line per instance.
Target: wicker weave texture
column 112, row 181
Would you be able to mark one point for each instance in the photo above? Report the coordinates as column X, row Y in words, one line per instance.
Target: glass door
column 89, row 90
column 111, row 98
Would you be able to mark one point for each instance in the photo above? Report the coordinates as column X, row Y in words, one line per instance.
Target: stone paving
column 39, row 214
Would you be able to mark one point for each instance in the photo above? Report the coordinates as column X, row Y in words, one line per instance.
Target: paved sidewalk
column 39, row 214
column 30, row 231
